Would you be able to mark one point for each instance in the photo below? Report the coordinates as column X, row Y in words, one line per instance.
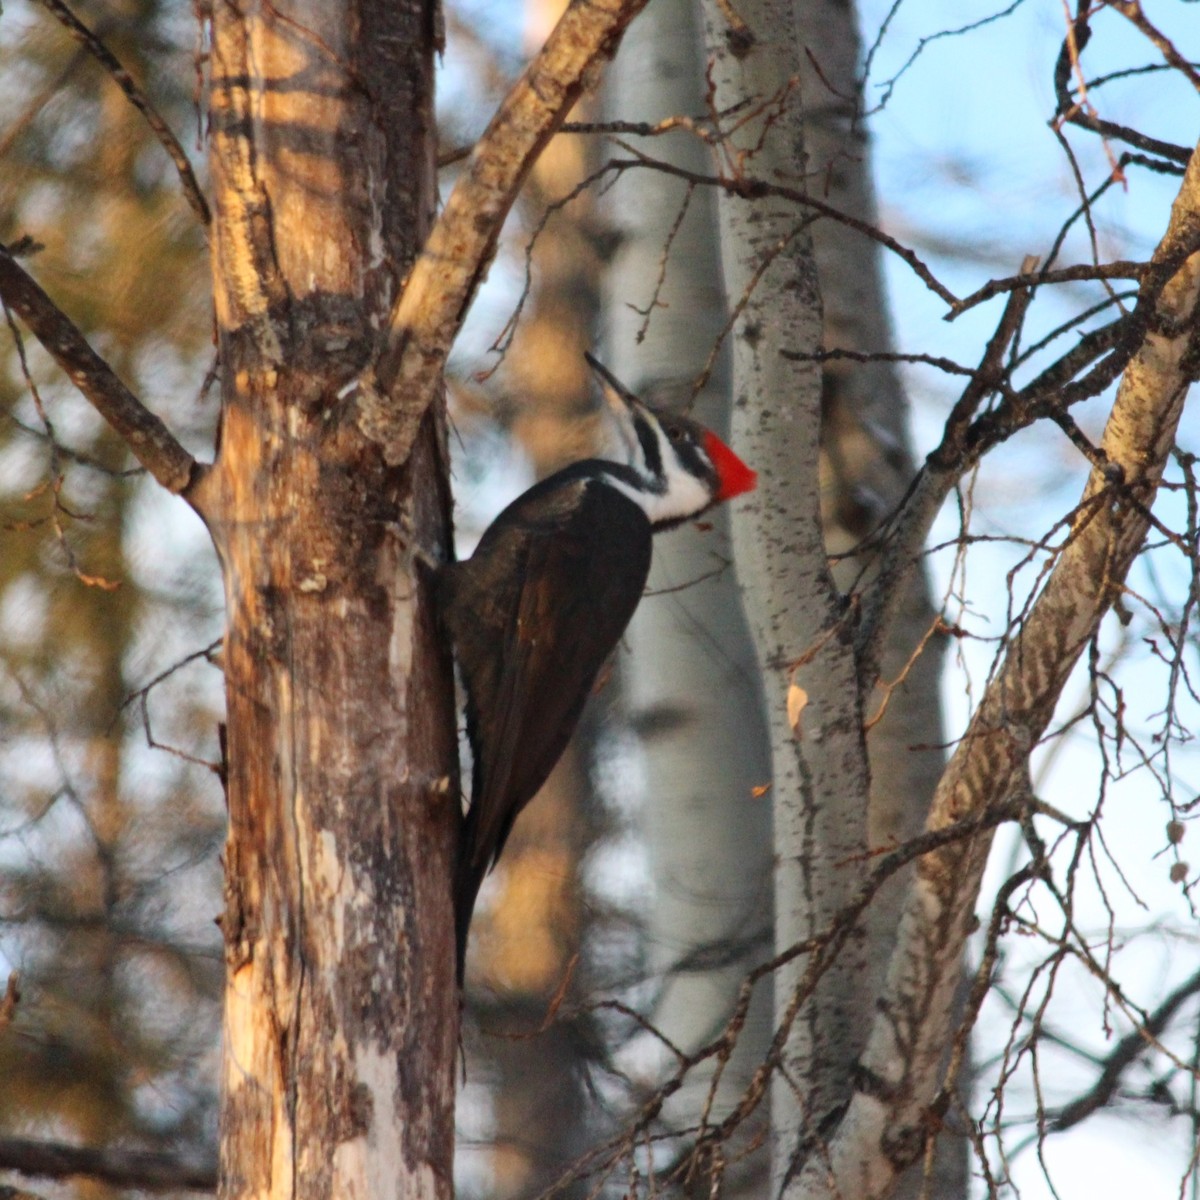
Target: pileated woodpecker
column 535, row 612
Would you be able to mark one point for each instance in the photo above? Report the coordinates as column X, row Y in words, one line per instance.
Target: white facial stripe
column 672, row 496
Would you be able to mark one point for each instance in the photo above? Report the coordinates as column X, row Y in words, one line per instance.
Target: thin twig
column 753, row 189
column 81, row 33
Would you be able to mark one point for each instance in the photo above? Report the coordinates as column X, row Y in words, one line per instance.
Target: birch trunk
column 866, row 464
column 692, row 682
column 896, row 1094
column 798, row 617
column 340, row 1007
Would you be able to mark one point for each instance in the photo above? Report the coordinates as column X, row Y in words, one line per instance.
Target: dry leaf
column 797, row 698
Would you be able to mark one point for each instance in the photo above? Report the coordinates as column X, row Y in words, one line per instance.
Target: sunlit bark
column 340, row 1010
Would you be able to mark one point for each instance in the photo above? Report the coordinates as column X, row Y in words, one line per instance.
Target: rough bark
column 799, row 620
column 691, row 678
column 341, row 1008
column 328, row 493
column 896, row 1096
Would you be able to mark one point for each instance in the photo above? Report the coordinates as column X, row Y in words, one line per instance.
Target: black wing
column 534, row 615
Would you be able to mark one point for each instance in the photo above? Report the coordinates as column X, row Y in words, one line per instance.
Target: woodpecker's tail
column 466, row 888
column 465, row 891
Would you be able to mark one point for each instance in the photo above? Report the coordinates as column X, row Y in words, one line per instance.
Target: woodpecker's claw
column 429, row 562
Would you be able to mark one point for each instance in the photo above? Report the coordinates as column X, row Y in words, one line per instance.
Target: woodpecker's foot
column 430, row 562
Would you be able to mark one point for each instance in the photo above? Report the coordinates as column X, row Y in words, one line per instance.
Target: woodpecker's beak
column 622, row 404
column 614, row 389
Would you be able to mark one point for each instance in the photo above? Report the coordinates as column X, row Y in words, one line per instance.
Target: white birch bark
column 884, row 1127
column 690, row 675
column 866, row 465
column 799, row 623
column 867, row 461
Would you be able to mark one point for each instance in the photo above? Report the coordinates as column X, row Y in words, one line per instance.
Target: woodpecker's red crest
column 733, row 475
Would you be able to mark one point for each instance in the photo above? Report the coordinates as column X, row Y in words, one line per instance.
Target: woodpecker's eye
column 674, row 432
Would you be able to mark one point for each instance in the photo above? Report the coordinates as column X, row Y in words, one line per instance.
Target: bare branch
column 753, row 189
column 1132, row 10
column 820, row 949
column 919, row 507
column 431, row 308
column 148, row 439
column 948, row 365
column 884, row 1126
column 1083, row 271
column 170, row 143
column 1126, row 1052
column 1076, row 113
column 148, row 1170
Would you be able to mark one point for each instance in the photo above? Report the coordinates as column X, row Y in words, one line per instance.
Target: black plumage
column 537, row 609
column 534, row 614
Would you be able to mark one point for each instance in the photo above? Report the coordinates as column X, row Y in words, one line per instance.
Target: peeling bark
column 341, row 1011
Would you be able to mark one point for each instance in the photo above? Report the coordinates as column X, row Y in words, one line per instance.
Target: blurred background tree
column 109, row 847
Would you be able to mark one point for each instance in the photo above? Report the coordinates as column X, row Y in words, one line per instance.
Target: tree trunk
column 341, row 1010
column 866, row 465
column 798, row 618
column 691, row 677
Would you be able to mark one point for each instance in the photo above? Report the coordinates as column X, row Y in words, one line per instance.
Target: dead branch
column 431, row 308
column 148, row 439
column 148, row 1170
